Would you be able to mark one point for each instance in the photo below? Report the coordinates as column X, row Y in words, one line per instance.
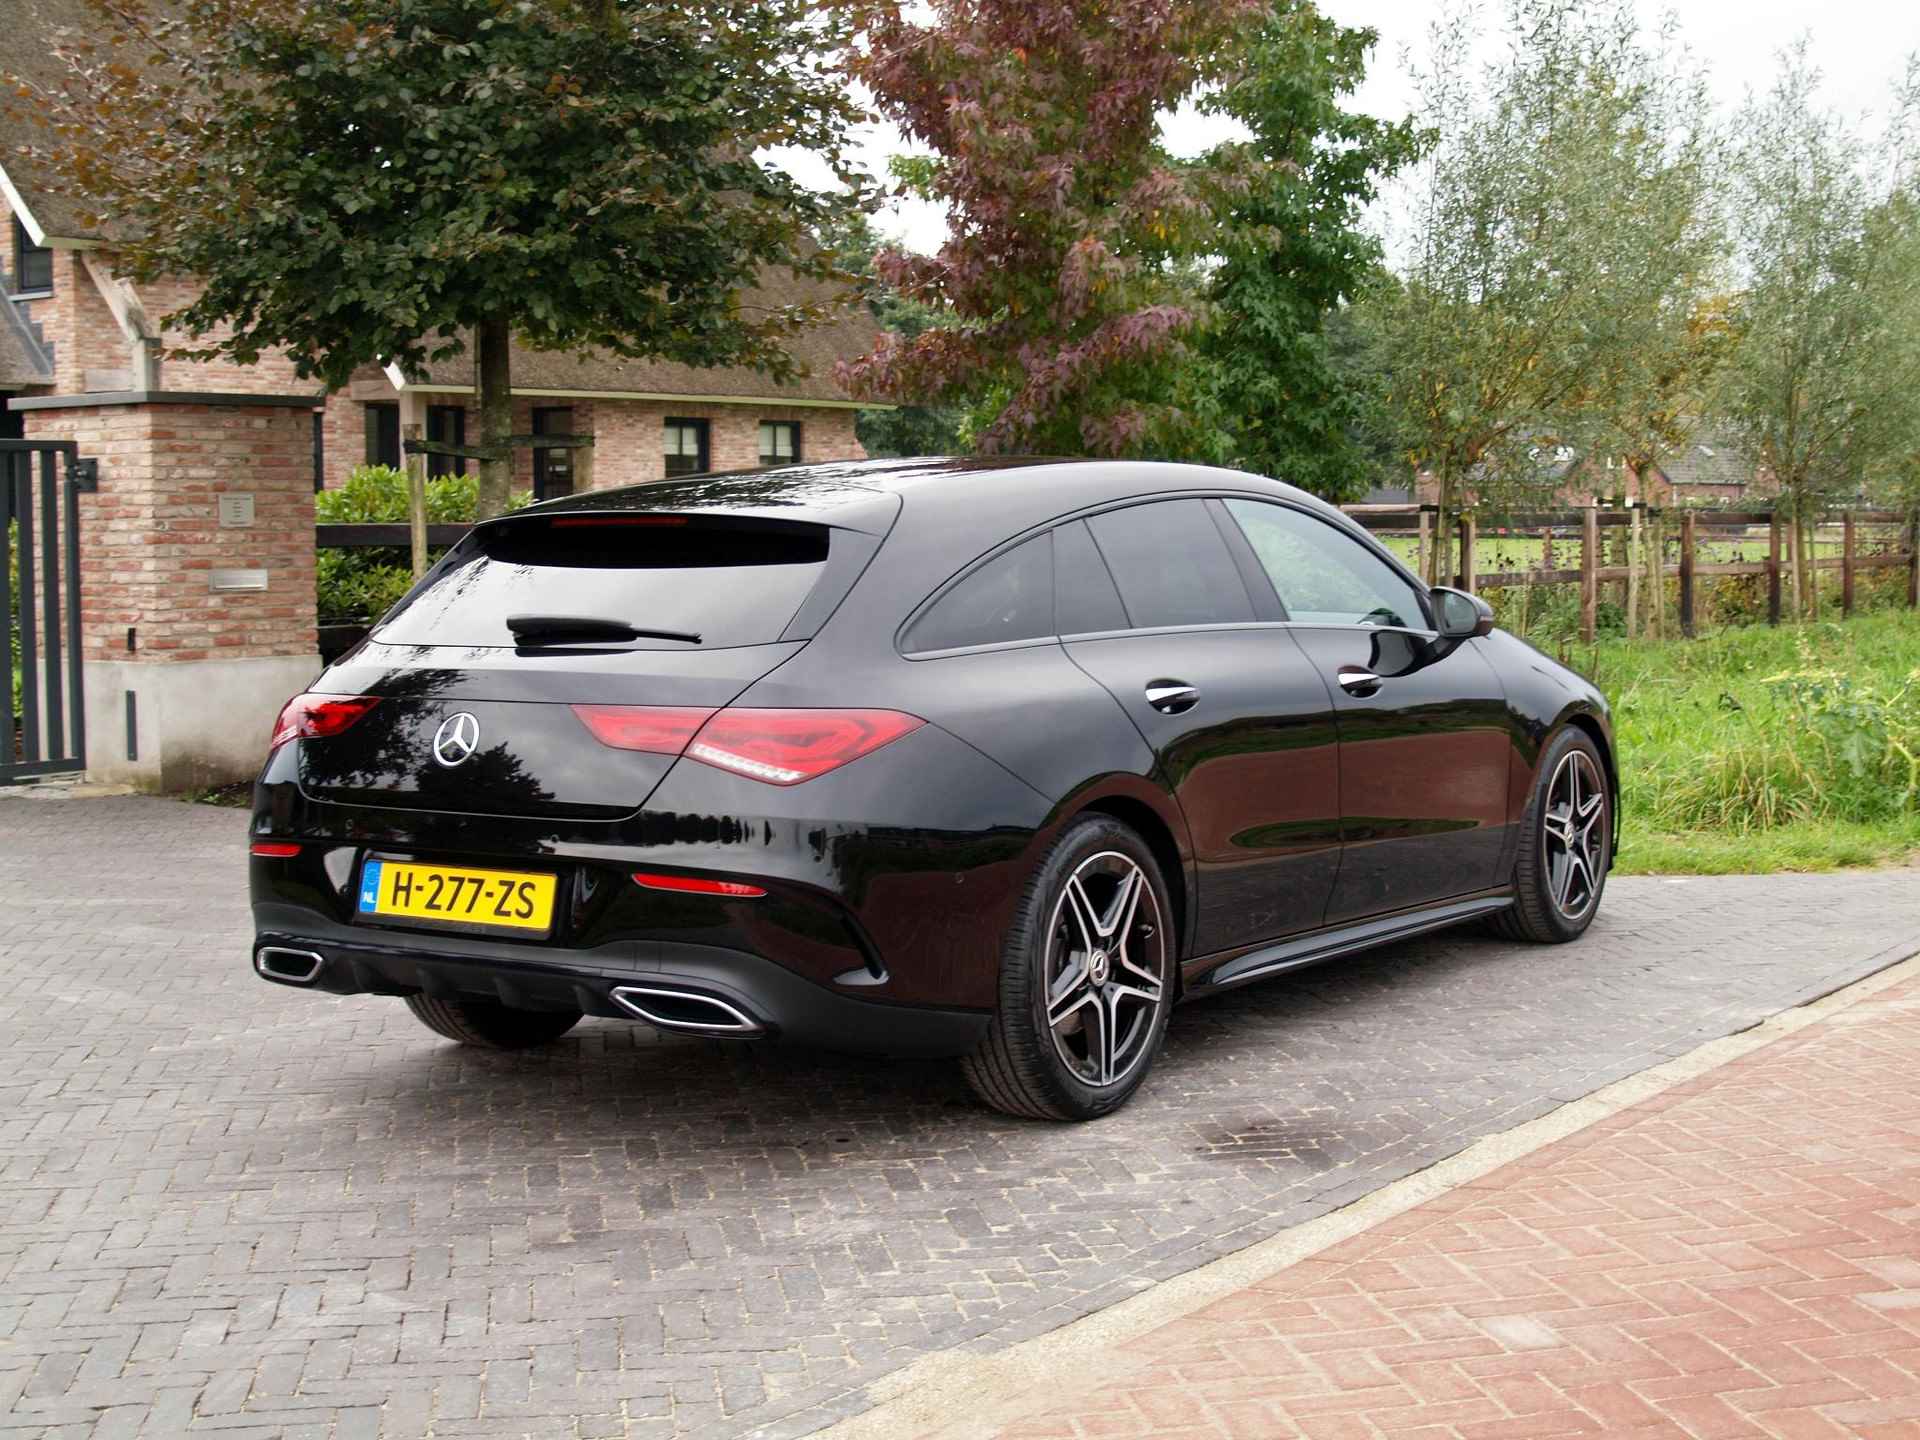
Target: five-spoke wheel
column 1086, row 979
column 1566, row 845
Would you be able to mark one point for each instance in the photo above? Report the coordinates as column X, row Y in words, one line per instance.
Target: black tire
column 1538, row 912
column 1044, row 1070
column 491, row 1026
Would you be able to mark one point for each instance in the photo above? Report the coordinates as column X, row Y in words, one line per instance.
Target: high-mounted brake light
column 656, row 729
column 316, row 717
column 776, row 747
column 581, row 522
column 695, row 885
column 275, row 849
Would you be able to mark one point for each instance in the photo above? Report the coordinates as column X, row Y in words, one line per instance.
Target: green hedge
column 359, row 586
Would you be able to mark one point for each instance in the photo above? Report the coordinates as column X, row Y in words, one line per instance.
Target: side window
column 1171, row 565
column 1008, row 598
column 1323, row 576
column 1084, row 599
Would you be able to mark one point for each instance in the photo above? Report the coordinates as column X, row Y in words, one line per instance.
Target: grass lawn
column 1757, row 749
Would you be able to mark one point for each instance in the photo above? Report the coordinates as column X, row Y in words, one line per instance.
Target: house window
column 383, row 433
column 686, row 447
column 446, row 425
column 552, row 467
column 779, row 442
column 32, row 264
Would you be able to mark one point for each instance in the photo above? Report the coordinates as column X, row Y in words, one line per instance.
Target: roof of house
column 32, row 28
column 1708, row 458
column 853, row 331
column 23, row 361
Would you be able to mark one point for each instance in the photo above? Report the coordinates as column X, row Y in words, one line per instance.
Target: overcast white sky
column 1860, row 45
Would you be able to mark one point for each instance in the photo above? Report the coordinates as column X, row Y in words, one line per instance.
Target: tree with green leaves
column 1562, row 230
column 358, row 181
column 1821, row 380
column 1291, row 397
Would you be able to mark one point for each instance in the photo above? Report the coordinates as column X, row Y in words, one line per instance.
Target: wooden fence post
column 1466, row 553
column 1633, row 573
column 1773, row 569
column 1687, row 518
column 1846, row 564
column 1913, row 563
column 1589, row 573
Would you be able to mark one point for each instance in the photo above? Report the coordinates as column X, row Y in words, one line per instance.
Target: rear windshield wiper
column 585, row 630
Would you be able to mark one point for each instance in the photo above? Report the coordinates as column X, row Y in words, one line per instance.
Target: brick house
column 197, row 618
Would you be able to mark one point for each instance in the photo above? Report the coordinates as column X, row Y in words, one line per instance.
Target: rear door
column 531, row 617
column 1154, row 605
column 1424, row 743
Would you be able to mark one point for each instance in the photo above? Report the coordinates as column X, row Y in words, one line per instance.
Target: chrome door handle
column 1172, row 697
column 1356, row 681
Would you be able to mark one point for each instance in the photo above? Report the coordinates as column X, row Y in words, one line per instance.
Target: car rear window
column 729, row 581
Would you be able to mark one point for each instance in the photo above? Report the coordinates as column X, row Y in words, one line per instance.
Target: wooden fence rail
column 1643, row 576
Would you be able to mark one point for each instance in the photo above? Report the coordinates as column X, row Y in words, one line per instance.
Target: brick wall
column 151, row 534
column 629, row 434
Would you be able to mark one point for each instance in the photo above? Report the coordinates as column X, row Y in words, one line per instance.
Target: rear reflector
column 694, row 885
column 656, row 729
column 787, row 747
column 315, row 717
column 275, row 849
column 778, row 747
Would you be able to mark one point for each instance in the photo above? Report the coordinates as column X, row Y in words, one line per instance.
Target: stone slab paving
column 231, row 1207
column 1736, row 1257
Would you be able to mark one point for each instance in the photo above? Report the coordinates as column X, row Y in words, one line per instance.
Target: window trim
column 778, row 463
column 1213, row 497
column 23, row 246
column 705, row 430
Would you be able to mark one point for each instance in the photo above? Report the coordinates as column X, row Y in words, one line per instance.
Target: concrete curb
column 960, row 1395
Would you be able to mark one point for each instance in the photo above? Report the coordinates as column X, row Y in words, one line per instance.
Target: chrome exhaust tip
column 686, row 1011
column 290, row 967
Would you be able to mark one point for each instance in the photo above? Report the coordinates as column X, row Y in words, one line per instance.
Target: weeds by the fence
column 1767, row 749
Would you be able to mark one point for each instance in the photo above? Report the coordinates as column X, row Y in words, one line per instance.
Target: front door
column 1241, row 726
column 1425, row 746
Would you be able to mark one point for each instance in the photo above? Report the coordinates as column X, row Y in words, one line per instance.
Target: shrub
column 359, row 586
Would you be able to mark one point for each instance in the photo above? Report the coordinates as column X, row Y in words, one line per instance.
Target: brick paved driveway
column 230, row 1207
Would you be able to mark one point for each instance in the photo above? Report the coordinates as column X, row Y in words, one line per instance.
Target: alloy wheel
column 1573, row 835
column 1106, row 969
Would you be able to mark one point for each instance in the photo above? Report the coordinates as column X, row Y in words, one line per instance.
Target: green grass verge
column 1758, row 749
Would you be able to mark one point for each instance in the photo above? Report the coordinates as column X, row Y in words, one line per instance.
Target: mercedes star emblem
column 456, row 739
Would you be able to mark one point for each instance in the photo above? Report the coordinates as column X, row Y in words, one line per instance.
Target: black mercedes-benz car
column 985, row 759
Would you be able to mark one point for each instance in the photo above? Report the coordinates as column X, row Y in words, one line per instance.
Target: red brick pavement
column 1738, row 1256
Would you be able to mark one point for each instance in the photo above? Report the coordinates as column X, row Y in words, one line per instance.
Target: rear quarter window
column 730, row 582
column 1008, row 598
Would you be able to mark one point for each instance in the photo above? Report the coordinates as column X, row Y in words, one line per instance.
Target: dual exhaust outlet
column 689, row 1012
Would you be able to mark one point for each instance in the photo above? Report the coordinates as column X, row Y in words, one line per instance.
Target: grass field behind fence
column 1763, row 749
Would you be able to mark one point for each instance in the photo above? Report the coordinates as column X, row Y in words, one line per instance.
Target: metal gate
column 42, row 711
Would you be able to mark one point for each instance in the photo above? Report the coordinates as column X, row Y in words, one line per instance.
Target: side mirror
column 1458, row 615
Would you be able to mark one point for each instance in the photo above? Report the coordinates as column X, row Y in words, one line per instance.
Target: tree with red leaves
column 1068, row 268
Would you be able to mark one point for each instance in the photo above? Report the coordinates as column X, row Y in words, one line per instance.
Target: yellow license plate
column 506, row 899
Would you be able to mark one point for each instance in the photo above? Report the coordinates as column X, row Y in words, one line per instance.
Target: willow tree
column 1561, row 232
column 357, row 181
column 1821, row 382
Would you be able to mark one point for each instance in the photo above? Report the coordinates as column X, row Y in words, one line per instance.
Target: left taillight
column 315, row 717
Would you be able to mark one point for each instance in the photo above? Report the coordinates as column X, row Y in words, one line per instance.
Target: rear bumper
column 695, row 988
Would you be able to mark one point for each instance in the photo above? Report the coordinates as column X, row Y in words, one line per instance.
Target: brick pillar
column 208, row 626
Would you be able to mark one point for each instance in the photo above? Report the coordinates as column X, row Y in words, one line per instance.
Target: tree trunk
column 494, row 369
column 1443, row 524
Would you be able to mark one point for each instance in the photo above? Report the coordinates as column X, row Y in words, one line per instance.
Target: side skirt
column 1212, row 973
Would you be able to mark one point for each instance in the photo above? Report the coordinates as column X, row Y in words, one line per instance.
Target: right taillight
column 776, row 747
column 315, row 717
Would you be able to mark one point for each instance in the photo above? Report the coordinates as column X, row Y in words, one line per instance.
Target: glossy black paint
column 1289, row 816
